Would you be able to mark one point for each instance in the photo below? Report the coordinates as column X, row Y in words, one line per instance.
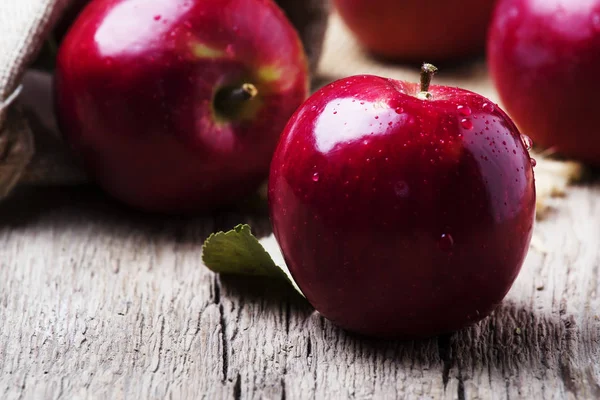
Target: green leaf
column 239, row 252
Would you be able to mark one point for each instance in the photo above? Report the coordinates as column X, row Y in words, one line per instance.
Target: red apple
column 177, row 105
column 543, row 56
column 402, row 212
column 415, row 30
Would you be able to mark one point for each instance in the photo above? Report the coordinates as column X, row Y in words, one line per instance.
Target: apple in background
column 177, row 105
column 402, row 211
column 543, row 57
column 418, row 30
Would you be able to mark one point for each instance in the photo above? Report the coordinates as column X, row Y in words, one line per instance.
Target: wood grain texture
column 99, row 301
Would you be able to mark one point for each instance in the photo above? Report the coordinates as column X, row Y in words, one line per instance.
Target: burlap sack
column 24, row 25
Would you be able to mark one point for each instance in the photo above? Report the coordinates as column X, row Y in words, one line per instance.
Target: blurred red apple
column 418, row 30
column 177, row 105
column 401, row 212
column 543, row 55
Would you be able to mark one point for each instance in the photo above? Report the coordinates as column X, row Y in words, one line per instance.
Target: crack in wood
column 288, row 316
column 445, row 354
column 237, row 387
column 461, row 386
column 224, row 344
column 216, row 290
column 140, row 339
column 160, row 343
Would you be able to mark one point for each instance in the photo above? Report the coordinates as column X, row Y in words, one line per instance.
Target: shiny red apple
column 402, row 212
column 543, row 57
column 177, row 105
column 418, row 30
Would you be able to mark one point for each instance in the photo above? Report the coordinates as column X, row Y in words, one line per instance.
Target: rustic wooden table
column 99, row 301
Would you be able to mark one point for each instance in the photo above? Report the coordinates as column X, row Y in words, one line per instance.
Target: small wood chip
column 552, row 178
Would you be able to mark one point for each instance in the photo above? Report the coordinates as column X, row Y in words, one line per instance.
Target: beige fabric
column 23, row 28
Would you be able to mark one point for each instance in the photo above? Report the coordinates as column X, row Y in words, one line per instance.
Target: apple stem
column 228, row 101
column 427, row 72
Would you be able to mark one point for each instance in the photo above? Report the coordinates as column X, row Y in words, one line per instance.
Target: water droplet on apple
column 533, row 162
column 401, row 189
column 315, row 177
column 399, row 110
column 464, row 110
column 157, row 17
column 446, row 243
column 527, row 142
column 466, row 123
column 488, row 107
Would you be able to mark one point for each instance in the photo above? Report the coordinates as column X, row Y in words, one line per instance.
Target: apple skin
column 542, row 57
column 418, row 30
column 401, row 217
column 135, row 88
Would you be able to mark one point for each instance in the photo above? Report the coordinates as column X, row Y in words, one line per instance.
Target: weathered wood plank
column 99, row 301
